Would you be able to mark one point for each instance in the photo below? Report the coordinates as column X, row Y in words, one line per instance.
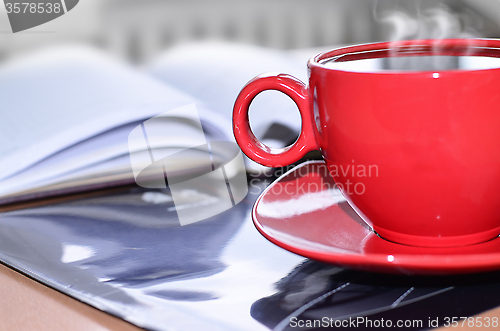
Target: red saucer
column 304, row 213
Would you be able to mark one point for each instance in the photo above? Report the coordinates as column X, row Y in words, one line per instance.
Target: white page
column 97, row 150
column 56, row 98
column 215, row 73
column 112, row 171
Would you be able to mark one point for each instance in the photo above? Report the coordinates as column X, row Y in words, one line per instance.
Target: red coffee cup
column 415, row 152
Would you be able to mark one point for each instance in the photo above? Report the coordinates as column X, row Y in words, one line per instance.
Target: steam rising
column 414, row 20
column 404, row 20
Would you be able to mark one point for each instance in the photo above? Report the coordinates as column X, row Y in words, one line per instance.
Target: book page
column 215, row 73
column 56, row 98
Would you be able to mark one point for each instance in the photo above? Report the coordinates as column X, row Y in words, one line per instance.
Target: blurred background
column 138, row 30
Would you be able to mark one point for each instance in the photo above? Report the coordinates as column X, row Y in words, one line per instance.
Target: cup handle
column 250, row 145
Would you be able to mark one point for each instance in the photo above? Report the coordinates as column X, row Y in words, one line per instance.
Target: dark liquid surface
column 415, row 63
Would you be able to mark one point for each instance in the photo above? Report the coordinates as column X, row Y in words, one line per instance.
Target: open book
column 67, row 113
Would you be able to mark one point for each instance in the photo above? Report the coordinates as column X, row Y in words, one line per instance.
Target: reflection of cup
column 430, row 136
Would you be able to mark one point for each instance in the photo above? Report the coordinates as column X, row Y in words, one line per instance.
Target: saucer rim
column 420, row 263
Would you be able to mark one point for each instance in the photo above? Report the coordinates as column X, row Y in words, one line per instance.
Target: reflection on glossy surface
column 73, row 253
column 334, row 233
column 315, row 291
column 128, row 255
column 303, row 204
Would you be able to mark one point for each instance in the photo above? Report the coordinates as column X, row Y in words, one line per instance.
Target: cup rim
column 481, row 46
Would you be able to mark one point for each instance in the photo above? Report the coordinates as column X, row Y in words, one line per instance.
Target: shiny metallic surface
column 128, row 255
